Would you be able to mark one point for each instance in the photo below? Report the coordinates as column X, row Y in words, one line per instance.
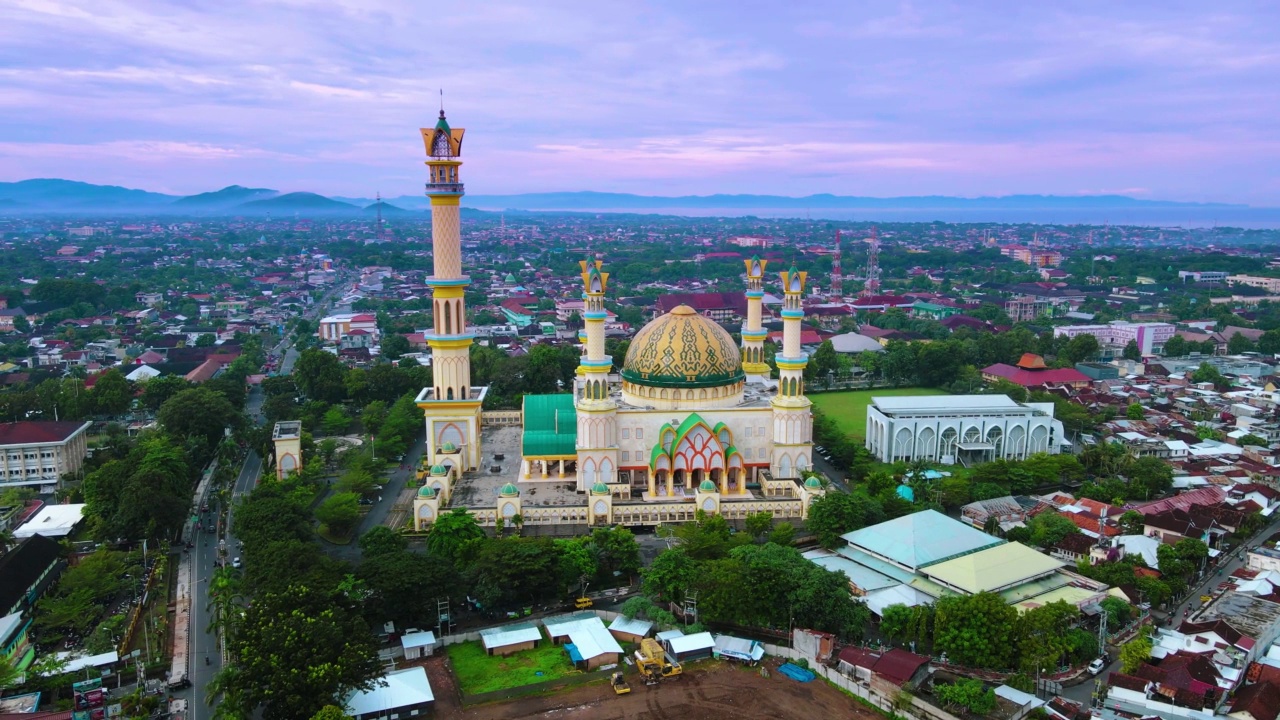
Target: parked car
column 236, row 563
column 1097, row 666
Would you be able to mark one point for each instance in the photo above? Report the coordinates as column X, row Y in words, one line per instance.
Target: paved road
column 1082, row 693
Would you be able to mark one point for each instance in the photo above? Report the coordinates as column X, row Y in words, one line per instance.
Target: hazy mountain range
column 53, row 196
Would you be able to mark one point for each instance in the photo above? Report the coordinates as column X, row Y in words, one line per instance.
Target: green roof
column 993, row 569
column 442, row 124
column 920, row 539
column 427, row 491
column 813, row 482
column 509, row 490
column 439, row 470
column 707, row 486
column 599, row 488
column 550, row 426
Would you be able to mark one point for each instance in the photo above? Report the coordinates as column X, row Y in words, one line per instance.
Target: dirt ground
column 707, row 690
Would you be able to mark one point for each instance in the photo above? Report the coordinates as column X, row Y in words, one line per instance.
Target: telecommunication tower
column 837, row 280
column 872, row 284
column 378, row 204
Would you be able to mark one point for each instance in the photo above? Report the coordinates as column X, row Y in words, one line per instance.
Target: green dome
column 509, row 490
column 707, row 486
column 439, row 470
column 427, row 491
column 813, row 483
column 509, row 278
column 448, row 447
column 599, row 489
column 683, row 349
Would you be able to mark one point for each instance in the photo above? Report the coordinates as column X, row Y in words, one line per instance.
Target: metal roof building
column 401, row 693
column 993, row 569
column 920, row 539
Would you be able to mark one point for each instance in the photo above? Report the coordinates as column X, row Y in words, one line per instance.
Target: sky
column 1159, row 100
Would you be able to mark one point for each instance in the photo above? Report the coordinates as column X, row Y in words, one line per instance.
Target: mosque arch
column 1039, row 439
column 926, row 443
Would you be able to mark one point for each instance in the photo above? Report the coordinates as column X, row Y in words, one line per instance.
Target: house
column 510, row 639
column 585, row 638
column 1031, row 372
column 687, row 648
column 631, row 630
column 856, row 663
column 418, row 644
column 399, row 694
column 896, row 669
column 1259, row 701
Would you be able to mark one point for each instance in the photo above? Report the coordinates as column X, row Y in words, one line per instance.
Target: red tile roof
column 36, row 431
column 1261, row 700
column 898, row 665
column 1034, row 378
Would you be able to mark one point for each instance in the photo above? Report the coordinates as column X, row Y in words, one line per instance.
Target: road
column 1083, row 692
column 206, row 652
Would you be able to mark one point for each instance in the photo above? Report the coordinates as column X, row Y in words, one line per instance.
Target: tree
column 1132, row 522
column 112, row 394
column 395, row 345
column 1175, row 346
column 967, row 693
column 382, row 540
column 1132, row 351
column 824, row 361
column 405, row 585
column 1207, row 373
column 1043, row 639
column 783, row 533
column 1049, row 528
column 1118, row 612
column 759, row 524
column 708, row 537
column 198, row 412
column 1135, row 411
column 1149, row 477
column 1269, row 343
column 340, row 512
column 373, row 416
column 452, row 532
column 669, row 575
column 1251, row 439
column 1238, row 343
column 320, row 376
column 335, row 420
column 976, row 630
column 512, row 571
column 617, row 552
column 297, row 651
column 330, row 712
column 1134, row 653
column 834, row 514
column 1081, row 348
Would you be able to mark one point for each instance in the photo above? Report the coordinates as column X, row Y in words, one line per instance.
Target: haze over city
column 1151, row 100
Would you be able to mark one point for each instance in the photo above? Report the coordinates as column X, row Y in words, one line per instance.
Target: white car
column 236, row 563
column 1097, row 666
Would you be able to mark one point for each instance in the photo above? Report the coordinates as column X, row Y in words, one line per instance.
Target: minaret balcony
column 444, row 189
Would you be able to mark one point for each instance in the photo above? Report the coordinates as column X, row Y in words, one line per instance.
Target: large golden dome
column 683, row 349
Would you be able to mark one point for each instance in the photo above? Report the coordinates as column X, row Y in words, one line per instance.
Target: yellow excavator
column 654, row 662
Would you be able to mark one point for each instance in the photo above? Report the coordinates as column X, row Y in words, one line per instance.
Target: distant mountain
column 299, row 202
column 625, row 202
column 53, row 195
column 227, row 197
column 387, row 209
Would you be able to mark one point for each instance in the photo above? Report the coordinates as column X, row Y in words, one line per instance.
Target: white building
column 960, row 428
column 1113, row 337
column 41, row 452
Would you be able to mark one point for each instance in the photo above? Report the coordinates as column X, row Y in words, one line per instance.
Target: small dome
column 707, row 486
column 813, row 483
column 599, row 489
column 439, row 470
column 427, row 491
column 448, row 447
column 509, row 490
column 509, row 278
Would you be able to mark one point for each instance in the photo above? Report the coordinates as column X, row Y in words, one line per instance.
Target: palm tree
column 7, row 540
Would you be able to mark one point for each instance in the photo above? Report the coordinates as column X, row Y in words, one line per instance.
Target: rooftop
column 287, row 430
column 398, row 689
column 920, row 539
column 948, row 403
column 31, row 432
column 994, row 568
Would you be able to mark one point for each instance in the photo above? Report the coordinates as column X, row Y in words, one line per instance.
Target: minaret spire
column 753, row 333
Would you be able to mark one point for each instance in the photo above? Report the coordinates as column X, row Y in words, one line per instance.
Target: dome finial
column 441, row 103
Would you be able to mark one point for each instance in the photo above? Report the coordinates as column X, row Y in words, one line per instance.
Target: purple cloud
column 1163, row 100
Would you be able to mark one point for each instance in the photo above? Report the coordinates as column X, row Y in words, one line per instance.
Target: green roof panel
column 550, row 426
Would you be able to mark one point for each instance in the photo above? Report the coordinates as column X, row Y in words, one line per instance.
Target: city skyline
column 887, row 99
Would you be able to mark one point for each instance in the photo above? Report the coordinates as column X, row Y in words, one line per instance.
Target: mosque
column 693, row 422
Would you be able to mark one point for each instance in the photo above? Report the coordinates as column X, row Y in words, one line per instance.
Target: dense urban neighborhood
column 389, row 463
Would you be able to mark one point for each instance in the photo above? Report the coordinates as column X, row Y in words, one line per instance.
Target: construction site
column 709, row 688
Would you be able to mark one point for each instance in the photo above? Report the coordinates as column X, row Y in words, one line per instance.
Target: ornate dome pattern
column 683, row 349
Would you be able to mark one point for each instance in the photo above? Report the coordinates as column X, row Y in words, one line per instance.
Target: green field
column 479, row 673
column 849, row 409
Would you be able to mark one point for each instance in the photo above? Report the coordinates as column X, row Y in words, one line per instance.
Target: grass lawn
column 849, row 409
column 480, row 673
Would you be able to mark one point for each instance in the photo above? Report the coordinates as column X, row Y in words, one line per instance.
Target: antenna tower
column 378, row 205
column 872, row 285
column 837, row 280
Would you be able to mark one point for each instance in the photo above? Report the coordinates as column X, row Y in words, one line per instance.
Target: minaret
column 792, row 419
column 753, row 333
column 451, row 405
column 597, row 444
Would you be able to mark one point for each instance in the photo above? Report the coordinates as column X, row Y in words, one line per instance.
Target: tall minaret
column 753, row 333
column 597, row 444
column 837, row 279
column 451, row 405
column 792, row 419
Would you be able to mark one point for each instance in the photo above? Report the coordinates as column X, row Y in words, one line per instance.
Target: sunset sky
column 1158, row 100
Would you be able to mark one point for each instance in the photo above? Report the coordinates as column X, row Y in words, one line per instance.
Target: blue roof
column 574, row 655
column 920, row 539
column 906, row 493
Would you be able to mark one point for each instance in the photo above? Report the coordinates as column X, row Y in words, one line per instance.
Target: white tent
column 52, row 521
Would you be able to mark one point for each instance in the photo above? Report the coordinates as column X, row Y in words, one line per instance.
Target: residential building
column 1113, row 337
column 721, row 307
column 1025, row 308
column 1031, row 372
column 960, row 428
column 335, row 327
column 1269, row 284
column 41, row 452
column 1209, row 277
